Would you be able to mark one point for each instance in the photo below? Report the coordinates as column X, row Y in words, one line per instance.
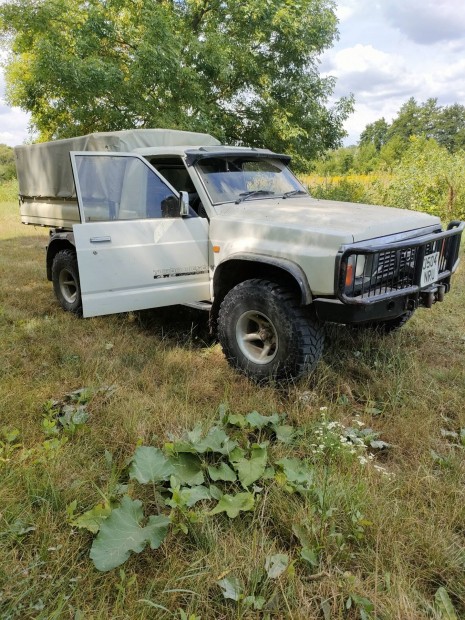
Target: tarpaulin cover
column 44, row 169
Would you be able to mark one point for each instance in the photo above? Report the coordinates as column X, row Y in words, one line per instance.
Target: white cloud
column 391, row 50
column 371, row 73
column 13, row 121
column 427, row 21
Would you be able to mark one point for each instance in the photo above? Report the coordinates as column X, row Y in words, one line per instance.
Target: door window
column 122, row 188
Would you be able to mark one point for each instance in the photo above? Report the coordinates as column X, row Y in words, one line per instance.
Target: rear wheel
column 266, row 334
column 65, row 278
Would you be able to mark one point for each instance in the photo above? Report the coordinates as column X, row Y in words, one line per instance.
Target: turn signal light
column 349, row 274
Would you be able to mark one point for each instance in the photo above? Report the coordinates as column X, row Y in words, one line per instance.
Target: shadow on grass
column 179, row 325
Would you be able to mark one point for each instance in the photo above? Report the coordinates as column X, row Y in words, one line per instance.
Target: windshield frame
column 232, row 157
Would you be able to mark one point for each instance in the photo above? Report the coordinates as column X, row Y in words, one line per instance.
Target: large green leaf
column 284, row 433
column 256, row 420
column 222, row 472
column 250, row 470
column 92, row 519
column 232, row 505
column 187, row 468
column 122, row 533
column 275, row 565
column 188, row 496
column 150, row 465
column 237, row 419
column 297, row 472
column 231, row 588
column 216, row 440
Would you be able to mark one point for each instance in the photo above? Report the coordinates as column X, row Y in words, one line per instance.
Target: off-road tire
column 65, row 278
column 266, row 334
column 388, row 326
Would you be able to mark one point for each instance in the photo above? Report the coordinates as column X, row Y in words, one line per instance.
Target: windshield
column 238, row 178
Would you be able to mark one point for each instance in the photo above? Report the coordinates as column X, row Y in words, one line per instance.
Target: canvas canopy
column 44, row 169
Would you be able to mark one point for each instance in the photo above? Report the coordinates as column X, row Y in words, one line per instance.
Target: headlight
column 359, row 265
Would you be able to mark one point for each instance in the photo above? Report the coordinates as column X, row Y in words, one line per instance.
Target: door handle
column 100, row 239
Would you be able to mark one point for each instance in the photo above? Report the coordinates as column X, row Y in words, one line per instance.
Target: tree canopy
column 246, row 72
column 383, row 145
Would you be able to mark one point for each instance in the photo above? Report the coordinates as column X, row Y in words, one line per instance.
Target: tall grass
column 386, row 538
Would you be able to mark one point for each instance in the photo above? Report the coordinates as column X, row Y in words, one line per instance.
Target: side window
column 122, row 188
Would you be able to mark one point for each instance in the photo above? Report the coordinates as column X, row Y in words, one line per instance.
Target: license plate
column 430, row 271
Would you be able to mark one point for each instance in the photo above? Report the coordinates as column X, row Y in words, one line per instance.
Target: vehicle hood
column 360, row 222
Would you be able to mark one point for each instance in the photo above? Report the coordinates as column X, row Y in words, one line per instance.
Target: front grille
column 370, row 273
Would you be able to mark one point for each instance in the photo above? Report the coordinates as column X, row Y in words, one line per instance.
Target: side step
column 200, row 305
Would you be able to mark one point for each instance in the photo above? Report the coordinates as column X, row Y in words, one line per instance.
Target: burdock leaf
column 122, row 533
column 187, row 468
column 231, row 588
column 232, row 505
column 284, row 433
column 275, row 565
column 250, row 470
column 195, row 494
column 216, row 440
column 256, row 420
column 222, row 472
column 150, row 465
column 297, row 472
column 92, row 519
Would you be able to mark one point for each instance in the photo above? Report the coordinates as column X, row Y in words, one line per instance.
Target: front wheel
column 65, row 278
column 266, row 334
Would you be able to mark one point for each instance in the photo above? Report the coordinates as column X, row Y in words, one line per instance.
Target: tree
column 415, row 119
column 450, row 128
column 244, row 71
column 375, row 133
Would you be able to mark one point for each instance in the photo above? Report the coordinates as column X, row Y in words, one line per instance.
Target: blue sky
column 388, row 51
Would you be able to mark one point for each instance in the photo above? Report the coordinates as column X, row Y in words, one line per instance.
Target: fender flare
column 289, row 266
column 58, row 241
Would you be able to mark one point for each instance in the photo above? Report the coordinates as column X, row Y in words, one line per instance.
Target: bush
column 7, row 163
column 9, row 191
column 430, row 179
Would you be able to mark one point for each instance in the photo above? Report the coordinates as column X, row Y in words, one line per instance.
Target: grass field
column 383, row 526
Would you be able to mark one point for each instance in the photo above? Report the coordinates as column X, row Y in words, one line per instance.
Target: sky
column 387, row 52
column 391, row 50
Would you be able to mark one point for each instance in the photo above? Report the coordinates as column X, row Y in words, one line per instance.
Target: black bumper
column 389, row 281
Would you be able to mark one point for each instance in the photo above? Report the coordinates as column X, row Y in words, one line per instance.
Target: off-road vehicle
column 149, row 218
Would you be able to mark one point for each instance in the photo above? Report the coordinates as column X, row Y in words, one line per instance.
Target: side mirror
column 183, row 204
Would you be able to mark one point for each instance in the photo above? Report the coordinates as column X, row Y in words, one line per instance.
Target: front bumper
column 383, row 281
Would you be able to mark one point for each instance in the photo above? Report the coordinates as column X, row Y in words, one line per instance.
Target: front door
column 134, row 251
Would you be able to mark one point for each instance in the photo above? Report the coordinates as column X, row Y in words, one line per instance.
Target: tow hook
column 429, row 299
column 433, row 294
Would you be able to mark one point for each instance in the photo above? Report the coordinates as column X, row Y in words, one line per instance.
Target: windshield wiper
column 256, row 192
column 294, row 192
